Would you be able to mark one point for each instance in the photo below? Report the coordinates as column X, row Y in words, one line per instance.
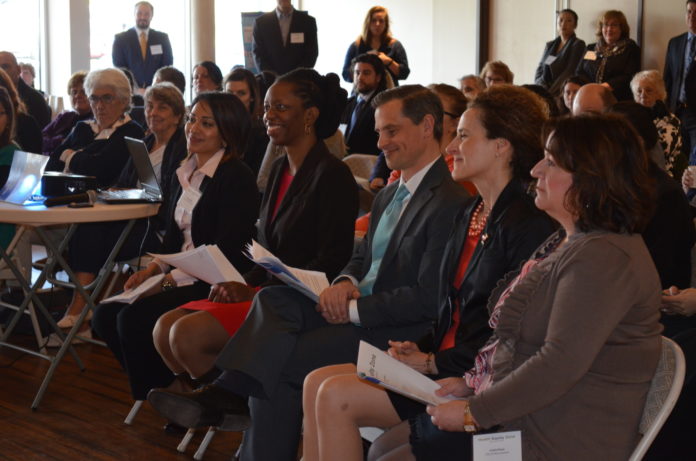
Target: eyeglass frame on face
column 106, row 99
column 496, row 79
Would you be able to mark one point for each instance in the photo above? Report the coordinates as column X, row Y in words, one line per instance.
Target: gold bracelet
column 469, row 424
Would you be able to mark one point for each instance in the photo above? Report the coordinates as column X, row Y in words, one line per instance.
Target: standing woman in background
column 615, row 58
column 376, row 38
column 561, row 55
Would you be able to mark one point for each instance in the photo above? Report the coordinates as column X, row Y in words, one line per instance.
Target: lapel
column 275, row 29
column 681, row 51
column 423, row 194
column 304, row 176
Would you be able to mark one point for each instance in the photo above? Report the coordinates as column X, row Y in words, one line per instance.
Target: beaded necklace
column 478, row 222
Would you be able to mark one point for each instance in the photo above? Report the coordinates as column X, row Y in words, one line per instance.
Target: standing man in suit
column 680, row 79
column 284, row 39
column 32, row 99
column 140, row 49
column 387, row 291
column 369, row 80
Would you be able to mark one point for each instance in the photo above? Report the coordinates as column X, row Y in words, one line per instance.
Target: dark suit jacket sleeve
column 311, row 43
column 539, row 74
column 380, row 170
column 167, row 55
column 669, row 70
column 118, row 51
column 259, row 47
column 585, row 67
column 350, row 54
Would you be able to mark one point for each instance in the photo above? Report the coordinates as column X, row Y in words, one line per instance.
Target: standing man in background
column 680, row 79
column 285, row 39
column 140, row 49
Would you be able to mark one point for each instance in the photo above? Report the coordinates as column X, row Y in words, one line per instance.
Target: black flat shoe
column 174, row 429
column 207, row 406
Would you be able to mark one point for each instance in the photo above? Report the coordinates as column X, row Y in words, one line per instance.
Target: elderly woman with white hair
column 96, row 147
column 649, row 90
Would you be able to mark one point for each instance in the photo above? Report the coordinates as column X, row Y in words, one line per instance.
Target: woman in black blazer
column 615, row 58
column 306, row 218
column 216, row 202
column 561, row 55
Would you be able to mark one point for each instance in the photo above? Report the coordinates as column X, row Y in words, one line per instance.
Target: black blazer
column 103, row 158
column 515, row 228
column 551, row 76
column 174, row 153
column 314, row 226
column 618, row 71
column 405, row 290
column 125, row 52
column 674, row 73
column 267, row 44
column 36, row 104
column 224, row 215
column 361, row 138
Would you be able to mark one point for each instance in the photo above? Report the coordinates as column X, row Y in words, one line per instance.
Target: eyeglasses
column 106, row 99
column 451, row 114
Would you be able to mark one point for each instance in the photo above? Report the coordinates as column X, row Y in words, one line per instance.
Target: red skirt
column 230, row 315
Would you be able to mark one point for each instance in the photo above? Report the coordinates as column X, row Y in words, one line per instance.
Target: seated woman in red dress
column 306, row 219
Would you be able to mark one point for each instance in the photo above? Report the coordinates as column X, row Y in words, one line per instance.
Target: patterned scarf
column 604, row 51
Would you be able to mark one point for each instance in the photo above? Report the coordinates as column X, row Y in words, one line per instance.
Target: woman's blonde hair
column 366, row 35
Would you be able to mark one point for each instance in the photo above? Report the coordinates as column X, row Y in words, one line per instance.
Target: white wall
column 454, row 40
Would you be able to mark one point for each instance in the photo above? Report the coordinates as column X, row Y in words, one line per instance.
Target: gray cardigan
column 579, row 344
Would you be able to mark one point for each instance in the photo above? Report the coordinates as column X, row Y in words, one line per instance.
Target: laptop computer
column 150, row 191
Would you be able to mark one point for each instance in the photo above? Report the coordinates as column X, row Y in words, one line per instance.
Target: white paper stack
column 207, row 263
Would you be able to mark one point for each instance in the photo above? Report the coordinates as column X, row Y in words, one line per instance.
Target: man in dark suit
column 387, row 291
column 140, row 49
column 284, row 39
column 680, row 79
column 359, row 115
column 33, row 100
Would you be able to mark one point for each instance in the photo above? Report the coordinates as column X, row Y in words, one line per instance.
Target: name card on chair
column 498, row 446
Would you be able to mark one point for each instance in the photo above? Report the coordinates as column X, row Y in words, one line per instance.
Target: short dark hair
column 416, row 102
column 173, row 75
column 454, row 95
column 8, row 134
column 232, row 120
column 240, row 74
column 611, row 189
column 321, row 91
column 214, row 72
column 572, row 13
column 377, row 65
column 517, row 115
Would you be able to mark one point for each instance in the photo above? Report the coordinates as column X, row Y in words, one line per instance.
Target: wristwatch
column 167, row 284
column 469, row 423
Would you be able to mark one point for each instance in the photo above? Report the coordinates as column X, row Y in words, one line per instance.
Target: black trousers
column 281, row 341
column 127, row 330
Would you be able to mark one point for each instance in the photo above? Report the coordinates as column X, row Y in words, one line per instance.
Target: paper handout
column 377, row 366
column 309, row 283
column 207, row 263
column 132, row 295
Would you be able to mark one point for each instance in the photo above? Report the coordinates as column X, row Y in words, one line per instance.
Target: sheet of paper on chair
column 130, row 296
column 378, row 367
column 207, row 263
column 309, row 283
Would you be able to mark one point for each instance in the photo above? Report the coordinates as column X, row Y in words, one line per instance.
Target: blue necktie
column 383, row 233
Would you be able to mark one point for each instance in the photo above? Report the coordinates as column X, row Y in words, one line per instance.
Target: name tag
column 155, row 49
column 590, row 56
column 498, row 446
column 550, row 60
column 189, row 199
column 297, row 37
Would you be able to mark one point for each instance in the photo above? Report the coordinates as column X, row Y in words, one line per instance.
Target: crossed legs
column 336, row 404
